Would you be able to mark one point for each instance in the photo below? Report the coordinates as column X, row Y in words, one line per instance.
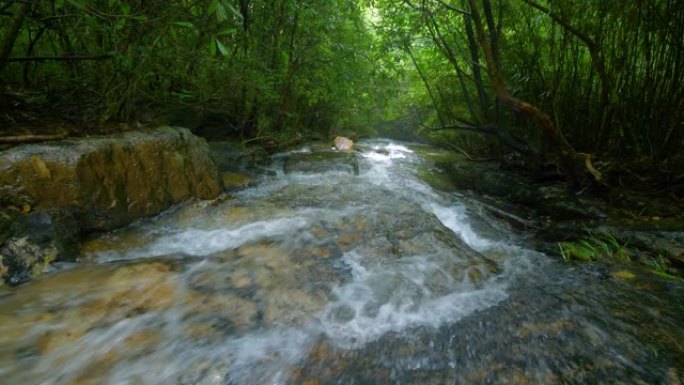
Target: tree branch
column 589, row 42
column 452, row 8
column 11, row 33
column 59, row 58
column 466, row 127
column 506, row 138
column 592, row 46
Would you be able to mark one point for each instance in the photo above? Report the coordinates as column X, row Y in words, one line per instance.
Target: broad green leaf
column 228, row 31
column 184, row 24
column 220, row 12
column 235, row 11
column 212, row 49
column 221, row 47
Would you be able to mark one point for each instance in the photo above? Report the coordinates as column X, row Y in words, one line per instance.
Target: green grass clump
column 596, row 246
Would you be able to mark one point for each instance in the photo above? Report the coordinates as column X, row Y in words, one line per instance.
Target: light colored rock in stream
column 110, row 181
column 343, row 144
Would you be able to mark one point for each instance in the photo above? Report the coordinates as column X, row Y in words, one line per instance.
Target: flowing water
column 334, row 278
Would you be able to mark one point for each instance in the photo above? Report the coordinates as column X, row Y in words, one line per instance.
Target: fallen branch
column 265, row 137
column 466, row 127
column 30, row 138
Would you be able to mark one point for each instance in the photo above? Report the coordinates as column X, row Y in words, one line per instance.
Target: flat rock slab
column 320, row 162
column 110, row 181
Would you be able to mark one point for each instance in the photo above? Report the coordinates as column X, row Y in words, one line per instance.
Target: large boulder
column 108, row 182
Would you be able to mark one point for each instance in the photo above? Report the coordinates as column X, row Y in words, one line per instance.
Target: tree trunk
column 441, row 41
column 575, row 164
column 475, row 66
column 12, row 32
column 407, row 46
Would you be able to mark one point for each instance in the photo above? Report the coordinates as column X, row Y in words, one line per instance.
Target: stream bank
column 52, row 193
column 648, row 229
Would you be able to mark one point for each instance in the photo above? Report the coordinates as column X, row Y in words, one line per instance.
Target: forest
column 325, row 192
column 593, row 86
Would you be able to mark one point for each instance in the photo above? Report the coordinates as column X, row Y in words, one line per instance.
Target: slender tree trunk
column 425, row 81
column 286, row 90
column 12, row 32
column 440, row 40
column 475, row 66
column 596, row 58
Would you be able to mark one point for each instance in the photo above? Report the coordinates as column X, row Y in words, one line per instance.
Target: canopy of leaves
column 607, row 74
column 252, row 67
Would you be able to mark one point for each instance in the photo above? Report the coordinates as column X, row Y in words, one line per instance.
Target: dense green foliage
column 609, row 72
column 251, row 67
column 601, row 77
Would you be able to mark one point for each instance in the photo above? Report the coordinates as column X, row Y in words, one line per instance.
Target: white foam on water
column 382, row 296
column 195, row 242
column 262, row 357
column 398, row 149
column 455, row 218
column 393, row 297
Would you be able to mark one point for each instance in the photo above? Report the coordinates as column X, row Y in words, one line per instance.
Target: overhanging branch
column 452, row 8
column 505, row 137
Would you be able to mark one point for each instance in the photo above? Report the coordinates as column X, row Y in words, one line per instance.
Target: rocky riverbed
column 328, row 269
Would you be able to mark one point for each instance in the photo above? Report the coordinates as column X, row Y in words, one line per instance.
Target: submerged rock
column 111, row 181
column 235, row 180
column 318, row 162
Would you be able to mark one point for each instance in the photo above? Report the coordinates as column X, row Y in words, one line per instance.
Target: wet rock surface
column 110, row 181
column 33, row 241
column 232, row 157
column 318, row 162
column 650, row 230
column 331, row 277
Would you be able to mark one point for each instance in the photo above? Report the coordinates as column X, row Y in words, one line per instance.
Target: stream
column 329, row 277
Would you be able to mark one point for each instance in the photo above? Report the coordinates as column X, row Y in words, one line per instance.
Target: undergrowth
column 597, row 246
column 605, row 247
